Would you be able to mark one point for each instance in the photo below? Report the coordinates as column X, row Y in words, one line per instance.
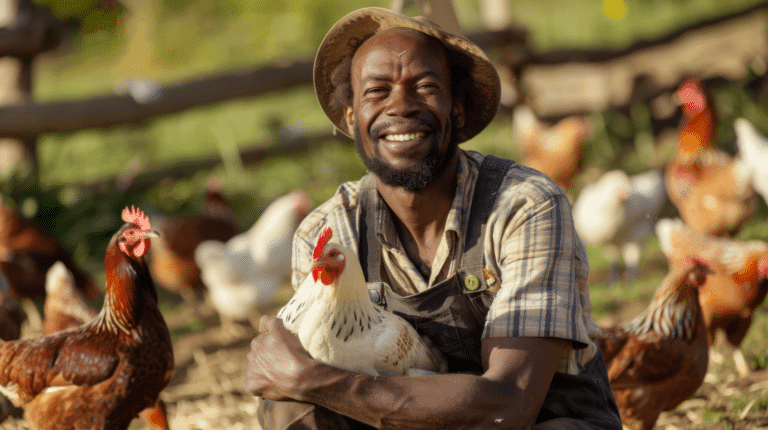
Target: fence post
column 30, row 28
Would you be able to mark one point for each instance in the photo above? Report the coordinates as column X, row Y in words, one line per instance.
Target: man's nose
column 401, row 102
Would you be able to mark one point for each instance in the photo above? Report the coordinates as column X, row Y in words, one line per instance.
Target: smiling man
column 478, row 253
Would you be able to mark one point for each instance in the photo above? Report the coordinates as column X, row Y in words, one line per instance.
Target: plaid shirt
column 530, row 243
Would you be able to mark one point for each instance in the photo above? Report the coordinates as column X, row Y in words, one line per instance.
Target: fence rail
column 29, row 120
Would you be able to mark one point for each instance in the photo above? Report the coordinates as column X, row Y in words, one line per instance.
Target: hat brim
column 351, row 31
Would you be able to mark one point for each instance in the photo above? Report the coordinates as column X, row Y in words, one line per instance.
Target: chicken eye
column 333, row 253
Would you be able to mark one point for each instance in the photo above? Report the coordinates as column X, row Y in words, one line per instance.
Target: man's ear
column 349, row 116
column 457, row 112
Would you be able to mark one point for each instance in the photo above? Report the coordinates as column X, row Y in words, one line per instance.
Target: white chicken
column 336, row 322
column 243, row 274
column 618, row 212
column 753, row 151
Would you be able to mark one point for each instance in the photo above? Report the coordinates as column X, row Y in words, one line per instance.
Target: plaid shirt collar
column 455, row 224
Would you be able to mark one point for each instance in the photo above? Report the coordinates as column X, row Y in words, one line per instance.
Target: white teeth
column 404, row 137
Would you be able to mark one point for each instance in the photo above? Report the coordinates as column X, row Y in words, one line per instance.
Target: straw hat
column 350, row 32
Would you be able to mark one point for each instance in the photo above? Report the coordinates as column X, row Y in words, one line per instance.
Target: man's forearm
column 508, row 395
column 441, row 401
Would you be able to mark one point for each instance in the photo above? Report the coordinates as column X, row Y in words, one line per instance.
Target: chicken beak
column 149, row 234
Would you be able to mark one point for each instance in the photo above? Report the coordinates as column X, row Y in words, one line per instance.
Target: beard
column 415, row 179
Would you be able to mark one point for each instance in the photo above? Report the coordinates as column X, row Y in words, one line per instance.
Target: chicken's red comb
column 325, row 236
column 136, row 216
column 692, row 84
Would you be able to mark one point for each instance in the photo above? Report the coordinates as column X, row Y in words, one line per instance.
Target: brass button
column 471, row 282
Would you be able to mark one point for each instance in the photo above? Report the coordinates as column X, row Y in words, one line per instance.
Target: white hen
column 753, row 151
column 336, row 322
column 243, row 274
column 618, row 212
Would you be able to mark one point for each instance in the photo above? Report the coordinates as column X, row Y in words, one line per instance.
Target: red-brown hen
column 102, row 374
column 738, row 286
column 65, row 307
column 659, row 359
column 711, row 190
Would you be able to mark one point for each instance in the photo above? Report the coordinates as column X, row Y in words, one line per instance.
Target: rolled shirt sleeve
column 542, row 265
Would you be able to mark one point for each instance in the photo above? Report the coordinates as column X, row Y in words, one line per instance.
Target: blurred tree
column 86, row 15
column 140, row 43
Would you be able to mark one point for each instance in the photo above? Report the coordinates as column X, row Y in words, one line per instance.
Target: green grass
column 761, row 403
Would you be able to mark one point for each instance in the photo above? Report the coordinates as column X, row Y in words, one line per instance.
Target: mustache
column 377, row 129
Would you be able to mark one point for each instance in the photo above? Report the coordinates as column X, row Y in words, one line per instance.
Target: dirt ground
column 206, row 391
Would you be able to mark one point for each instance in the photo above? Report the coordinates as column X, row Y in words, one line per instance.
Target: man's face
column 401, row 108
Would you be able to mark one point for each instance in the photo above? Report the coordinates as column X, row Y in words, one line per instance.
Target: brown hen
column 26, row 254
column 103, row 373
column 11, row 316
column 555, row 150
column 711, row 190
column 659, row 359
column 65, row 307
column 173, row 258
column 738, row 286
column 11, row 319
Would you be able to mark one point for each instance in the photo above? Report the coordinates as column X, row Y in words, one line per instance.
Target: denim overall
column 452, row 314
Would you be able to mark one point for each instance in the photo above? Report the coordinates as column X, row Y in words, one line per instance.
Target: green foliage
column 761, row 403
column 88, row 16
column 195, row 325
column 569, row 24
column 621, row 302
column 716, row 416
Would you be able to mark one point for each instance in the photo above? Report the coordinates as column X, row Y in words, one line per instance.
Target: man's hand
column 276, row 362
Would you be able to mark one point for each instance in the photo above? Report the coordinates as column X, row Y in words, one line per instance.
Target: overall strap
column 368, row 246
column 492, row 172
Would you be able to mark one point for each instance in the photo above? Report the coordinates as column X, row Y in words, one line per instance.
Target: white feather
column 753, row 151
column 244, row 273
column 618, row 209
column 338, row 325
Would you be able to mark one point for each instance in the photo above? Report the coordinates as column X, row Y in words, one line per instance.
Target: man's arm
column 508, row 395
